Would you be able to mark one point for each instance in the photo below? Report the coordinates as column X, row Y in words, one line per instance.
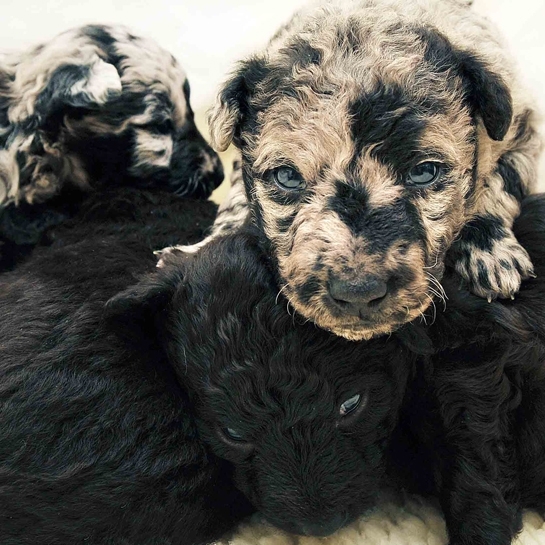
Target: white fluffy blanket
column 408, row 521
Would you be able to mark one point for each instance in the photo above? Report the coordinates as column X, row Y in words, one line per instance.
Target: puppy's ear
column 488, row 94
column 141, row 308
column 88, row 85
column 485, row 91
column 233, row 103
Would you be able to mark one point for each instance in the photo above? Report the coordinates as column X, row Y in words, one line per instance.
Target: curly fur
column 352, row 95
column 97, row 106
column 181, row 407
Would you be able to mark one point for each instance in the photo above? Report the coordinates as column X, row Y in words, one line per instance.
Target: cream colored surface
column 408, row 522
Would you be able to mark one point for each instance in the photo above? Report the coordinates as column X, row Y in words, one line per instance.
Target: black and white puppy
column 195, row 399
column 98, row 106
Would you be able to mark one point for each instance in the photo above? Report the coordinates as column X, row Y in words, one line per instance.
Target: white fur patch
column 152, row 149
column 9, row 176
column 103, row 83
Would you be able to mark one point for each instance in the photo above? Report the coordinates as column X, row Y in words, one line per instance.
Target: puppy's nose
column 212, row 175
column 323, row 528
column 358, row 294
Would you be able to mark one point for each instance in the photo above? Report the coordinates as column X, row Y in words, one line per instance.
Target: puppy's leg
column 232, row 214
column 487, row 254
column 479, row 486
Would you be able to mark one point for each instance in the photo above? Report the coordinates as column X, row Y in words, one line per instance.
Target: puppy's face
column 359, row 145
column 308, row 450
column 166, row 148
column 303, row 417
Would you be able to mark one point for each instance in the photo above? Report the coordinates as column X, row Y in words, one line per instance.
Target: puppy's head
column 119, row 104
column 359, row 133
column 303, row 416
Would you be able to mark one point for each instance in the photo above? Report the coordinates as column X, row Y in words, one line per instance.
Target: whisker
column 435, row 264
column 279, row 292
column 437, row 289
column 434, row 308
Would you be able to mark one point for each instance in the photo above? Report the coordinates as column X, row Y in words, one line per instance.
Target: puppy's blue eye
column 350, row 405
column 233, row 434
column 424, row 173
column 288, row 178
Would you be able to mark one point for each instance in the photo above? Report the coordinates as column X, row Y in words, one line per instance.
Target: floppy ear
column 88, row 85
column 485, row 91
column 488, row 94
column 233, row 103
column 141, row 308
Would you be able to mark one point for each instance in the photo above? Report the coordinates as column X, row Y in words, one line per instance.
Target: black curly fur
column 196, row 398
column 124, row 212
column 473, row 422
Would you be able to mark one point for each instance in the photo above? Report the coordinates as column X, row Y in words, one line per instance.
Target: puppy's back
column 96, row 435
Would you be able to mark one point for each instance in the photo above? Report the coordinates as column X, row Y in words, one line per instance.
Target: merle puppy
column 381, row 140
column 185, row 406
column 95, row 106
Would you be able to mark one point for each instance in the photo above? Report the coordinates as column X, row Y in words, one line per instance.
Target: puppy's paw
column 188, row 249
column 495, row 268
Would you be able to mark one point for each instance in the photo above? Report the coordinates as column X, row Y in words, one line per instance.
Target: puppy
column 381, row 139
column 476, row 409
column 185, row 407
column 98, row 106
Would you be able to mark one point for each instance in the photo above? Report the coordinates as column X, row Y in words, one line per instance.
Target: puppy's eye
column 233, row 435
column 288, row 178
column 350, row 405
column 424, row 173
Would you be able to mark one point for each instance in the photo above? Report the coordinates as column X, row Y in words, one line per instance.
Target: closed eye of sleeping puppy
column 380, row 140
column 195, row 399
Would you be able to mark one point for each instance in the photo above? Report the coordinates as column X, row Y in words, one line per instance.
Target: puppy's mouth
column 356, row 322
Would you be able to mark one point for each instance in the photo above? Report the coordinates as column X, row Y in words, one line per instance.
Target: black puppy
column 473, row 423
column 197, row 399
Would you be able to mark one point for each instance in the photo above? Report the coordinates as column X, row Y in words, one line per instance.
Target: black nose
column 212, row 175
column 322, row 528
column 204, row 177
column 357, row 295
